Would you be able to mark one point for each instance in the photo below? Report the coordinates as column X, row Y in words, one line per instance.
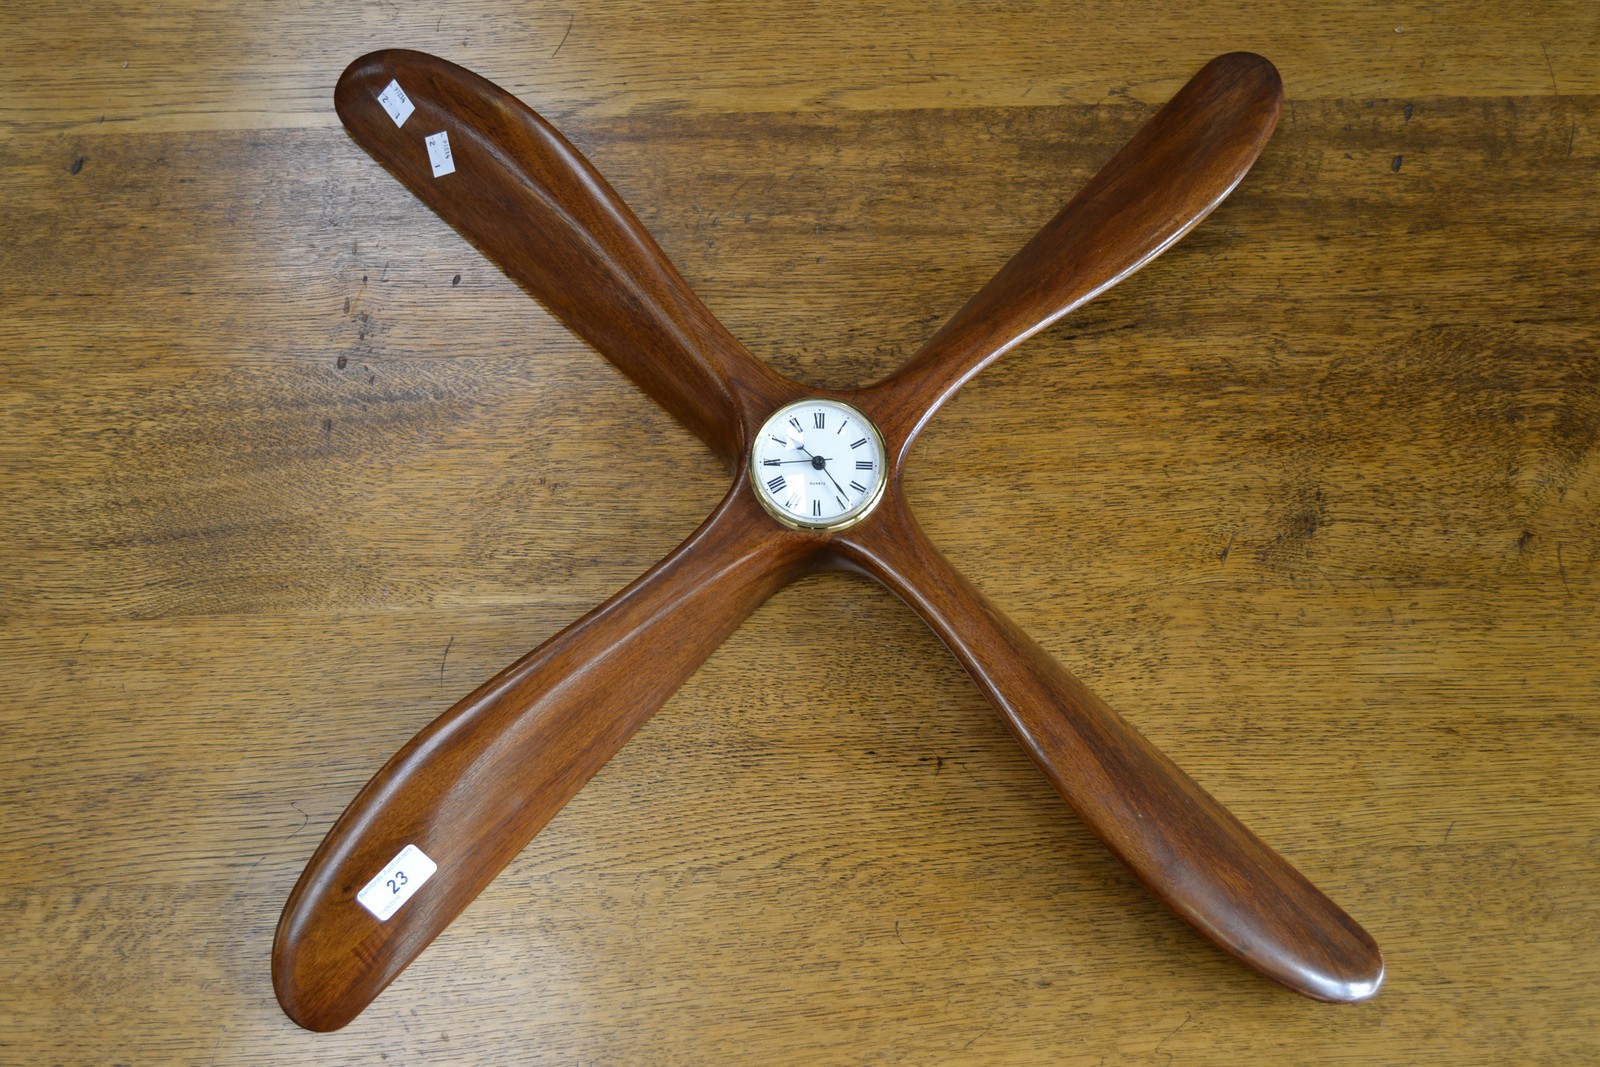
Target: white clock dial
column 818, row 465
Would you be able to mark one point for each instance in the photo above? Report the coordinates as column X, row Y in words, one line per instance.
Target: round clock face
column 818, row 465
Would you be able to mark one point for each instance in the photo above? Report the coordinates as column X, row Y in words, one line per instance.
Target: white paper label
column 396, row 103
column 393, row 885
column 439, row 154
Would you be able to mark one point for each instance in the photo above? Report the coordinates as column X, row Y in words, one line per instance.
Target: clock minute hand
column 836, row 485
column 824, row 468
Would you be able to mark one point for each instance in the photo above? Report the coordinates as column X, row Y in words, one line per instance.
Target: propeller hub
column 818, row 464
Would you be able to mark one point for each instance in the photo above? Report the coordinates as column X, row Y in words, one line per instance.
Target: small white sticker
column 393, row 885
column 439, row 154
column 396, row 103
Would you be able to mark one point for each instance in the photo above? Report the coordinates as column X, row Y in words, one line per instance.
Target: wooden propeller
column 474, row 786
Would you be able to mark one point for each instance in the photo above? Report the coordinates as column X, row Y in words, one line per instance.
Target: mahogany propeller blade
column 474, row 787
column 535, row 206
column 1189, row 850
column 1175, row 170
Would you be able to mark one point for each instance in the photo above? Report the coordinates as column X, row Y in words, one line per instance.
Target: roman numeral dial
column 821, row 465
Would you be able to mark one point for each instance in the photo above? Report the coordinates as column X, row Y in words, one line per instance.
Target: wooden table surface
column 286, row 468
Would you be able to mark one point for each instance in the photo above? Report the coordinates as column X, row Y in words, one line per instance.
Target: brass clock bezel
column 843, row 522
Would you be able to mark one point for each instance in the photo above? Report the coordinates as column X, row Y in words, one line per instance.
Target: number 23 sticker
column 394, row 885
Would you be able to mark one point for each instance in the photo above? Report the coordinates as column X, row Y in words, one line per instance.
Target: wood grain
column 1334, row 551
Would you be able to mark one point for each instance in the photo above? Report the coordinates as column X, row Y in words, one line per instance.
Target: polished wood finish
column 1172, row 174
column 1184, row 846
column 1313, row 505
column 478, row 783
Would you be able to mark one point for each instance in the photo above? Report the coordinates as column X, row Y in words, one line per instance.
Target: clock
column 818, row 465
